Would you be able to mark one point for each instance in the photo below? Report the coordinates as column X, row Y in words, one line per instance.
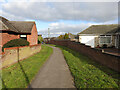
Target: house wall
column 7, row 36
column 93, row 41
column 108, row 60
column 113, row 40
column 109, row 44
column 0, row 43
column 117, row 41
column 88, row 40
column 96, row 41
column 33, row 37
column 15, row 54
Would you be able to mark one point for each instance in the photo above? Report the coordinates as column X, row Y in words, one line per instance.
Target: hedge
column 15, row 43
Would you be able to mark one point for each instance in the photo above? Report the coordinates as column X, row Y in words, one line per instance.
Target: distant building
column 10, row 30
column 73, row 37
column 99, row 35
column 46, row 40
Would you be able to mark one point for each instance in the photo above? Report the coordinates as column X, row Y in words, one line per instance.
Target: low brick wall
column 110, row 61
column 14, row 54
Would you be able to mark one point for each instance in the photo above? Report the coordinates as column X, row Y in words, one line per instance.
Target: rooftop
column 16, row 26
column 100, row 29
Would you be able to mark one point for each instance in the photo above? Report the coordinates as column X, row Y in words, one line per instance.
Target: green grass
column 88, row 73
column 21, row 74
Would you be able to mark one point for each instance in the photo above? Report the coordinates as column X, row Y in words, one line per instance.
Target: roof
column 115, row 31
column 5, row 25
column 100, row 29
column 22, row 26
column 16, row 26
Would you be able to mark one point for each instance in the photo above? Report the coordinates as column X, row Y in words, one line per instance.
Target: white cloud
column 64, row 0
column 2, row 1
column 57, row 28
column 98, row 12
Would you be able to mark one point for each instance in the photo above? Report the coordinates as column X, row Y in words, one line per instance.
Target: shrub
column 15, row 43
column 104, row 46
column 112, row 46
column 39, row 41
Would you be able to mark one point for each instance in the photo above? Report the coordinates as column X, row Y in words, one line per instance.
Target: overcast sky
column 69, row 16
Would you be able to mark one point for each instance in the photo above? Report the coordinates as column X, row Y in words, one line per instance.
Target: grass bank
column 88, row 73
column 20, row 74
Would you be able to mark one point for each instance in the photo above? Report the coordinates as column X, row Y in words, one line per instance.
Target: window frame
column 105, row 37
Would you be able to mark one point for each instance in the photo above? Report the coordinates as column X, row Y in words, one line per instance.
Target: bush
column 39, row 41
column 15, row 43
column 104, row 46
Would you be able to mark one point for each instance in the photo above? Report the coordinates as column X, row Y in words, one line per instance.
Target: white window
column 23, row 37
column 105, row 39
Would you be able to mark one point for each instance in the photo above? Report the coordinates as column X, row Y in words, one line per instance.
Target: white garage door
column 88, row 40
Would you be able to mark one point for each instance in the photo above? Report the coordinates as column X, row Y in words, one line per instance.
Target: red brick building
column 17, row 29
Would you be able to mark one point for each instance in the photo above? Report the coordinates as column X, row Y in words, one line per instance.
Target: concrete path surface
column 54, row 73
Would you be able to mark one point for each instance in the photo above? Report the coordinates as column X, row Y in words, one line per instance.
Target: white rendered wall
column 88, row 40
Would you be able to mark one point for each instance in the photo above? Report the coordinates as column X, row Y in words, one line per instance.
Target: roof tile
column 99, row 29
column 16, row 26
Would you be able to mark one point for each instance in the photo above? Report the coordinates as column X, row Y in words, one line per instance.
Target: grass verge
column 88, row 73
column 21, row 74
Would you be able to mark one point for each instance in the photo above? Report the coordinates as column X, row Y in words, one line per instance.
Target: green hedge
column 15, row 43
column 39, row 41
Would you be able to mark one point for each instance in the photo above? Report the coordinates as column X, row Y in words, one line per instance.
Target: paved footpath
column 54, row 73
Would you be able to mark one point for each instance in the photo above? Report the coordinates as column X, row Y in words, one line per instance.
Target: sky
column 61, row 16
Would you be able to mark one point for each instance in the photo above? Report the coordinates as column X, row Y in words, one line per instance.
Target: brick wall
column 12, row 55
column 97, row 55
column 0, row 42
column 33, row 37
column 5, row 37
